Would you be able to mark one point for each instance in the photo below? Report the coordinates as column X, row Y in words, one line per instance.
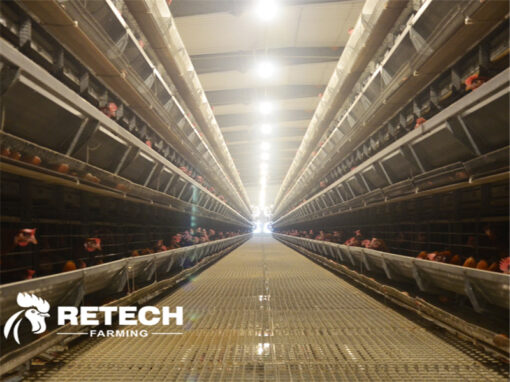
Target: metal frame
column 405, row 57
column 481, row 287
column 63, row 95
column 110, row 277
column 494, row 90
column 158, row 112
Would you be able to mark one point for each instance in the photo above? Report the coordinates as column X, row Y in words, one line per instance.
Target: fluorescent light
column 266, row 10
column 265, row 107
column 265, row 146
column 266, row 128
column 265, row 69
column 264, row 156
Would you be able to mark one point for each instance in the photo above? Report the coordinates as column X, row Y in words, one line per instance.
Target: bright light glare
column 265, row 107
column 265, row 69
column 264, row 156
column 266, row 10
column 265, row 146
column 266, row 129
column 262, row 198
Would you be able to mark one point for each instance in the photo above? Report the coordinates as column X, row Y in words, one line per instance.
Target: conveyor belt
column 267, row 313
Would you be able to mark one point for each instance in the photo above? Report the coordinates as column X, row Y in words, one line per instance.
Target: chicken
column 422, row 255
column 122, row 187
column 504, row 265
column 32, row 159
column 420, row 121
column 110, row 110
column 91, row 178
column 470, row 262
column 63, row 168
column 443, row 256
column 16, row 155
column 482, row 264
column 92, row 250
column 69, row 266
column 25, row 236
column 29, row 274
column 377, row 244
column 475, row 81
column 494, row 267
column 455, row 260
column 356, row 240
column 160, row 246
column 431, row 256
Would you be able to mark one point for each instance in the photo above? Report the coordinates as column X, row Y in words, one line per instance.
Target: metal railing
column 70, row 288
column 481, row 287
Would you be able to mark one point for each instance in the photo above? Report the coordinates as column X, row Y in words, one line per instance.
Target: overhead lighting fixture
column 265, row 107
column 265, row 69
column 266, row 10
column 266, row 128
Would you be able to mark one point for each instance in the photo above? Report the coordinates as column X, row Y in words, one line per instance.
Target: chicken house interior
column 254, row 190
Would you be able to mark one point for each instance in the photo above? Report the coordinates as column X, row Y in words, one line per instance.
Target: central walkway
column 267, row 313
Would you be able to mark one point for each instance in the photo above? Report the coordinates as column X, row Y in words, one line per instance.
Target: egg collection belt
column 267, row 313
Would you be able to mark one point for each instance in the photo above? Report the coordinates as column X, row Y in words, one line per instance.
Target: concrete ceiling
column 226, row 41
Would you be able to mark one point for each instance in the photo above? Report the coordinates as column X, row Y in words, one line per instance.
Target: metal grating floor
column 267, row 313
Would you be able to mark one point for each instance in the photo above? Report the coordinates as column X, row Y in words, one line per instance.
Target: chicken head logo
column 35, row 310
